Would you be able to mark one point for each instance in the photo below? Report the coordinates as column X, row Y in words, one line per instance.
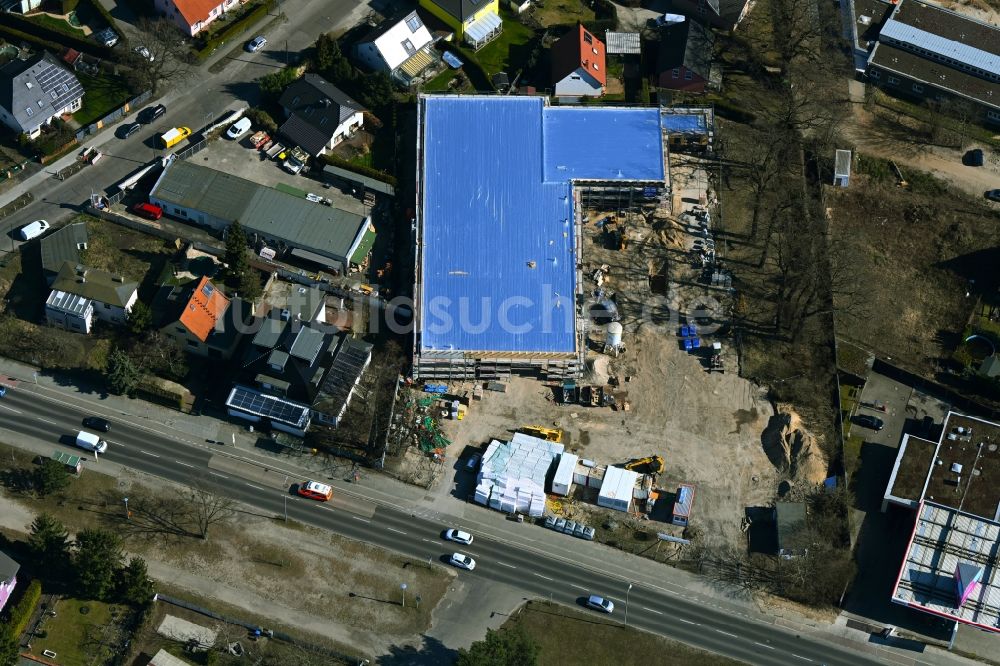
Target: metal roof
column 69, row 303
column 684, row 500
column 365, row 181
column 308, row 341
column 245, row 399
column 900, row 34
column 937, row 74
column 625, row 43
column 269, row 333
column 842, row 164
column 349, row 364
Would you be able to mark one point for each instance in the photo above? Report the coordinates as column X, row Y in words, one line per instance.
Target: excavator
column 548, row 434
column 652, row 464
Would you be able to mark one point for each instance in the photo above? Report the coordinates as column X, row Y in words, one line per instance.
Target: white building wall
column 579, row 83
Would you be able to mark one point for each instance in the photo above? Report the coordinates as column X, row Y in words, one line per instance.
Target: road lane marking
column 11, row 409
column 653, row 611
column 46, row 420
column 221, row 476
column 764, row 645
column 364, row 520
column 687, row 621
column 504, row 564
column 541, row 576
column 579, row 587
column 799, row 656
column 393, row 529
column 726, row 633
column 429, row 540
column 184, row 463
column 255, row 486
column 155, row 455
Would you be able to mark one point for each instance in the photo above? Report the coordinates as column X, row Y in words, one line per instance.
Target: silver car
column 600, row 604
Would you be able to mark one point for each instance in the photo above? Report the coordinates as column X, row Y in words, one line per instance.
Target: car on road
column 600, row 604
column 315, row 490
column 462, row 561
column 993, row 195
column 130, row 129
column 151, row 113
column 869, row 421
column 144, row 53
column 34, row 230
column 147, row 210
column 3, row 391
column 239, row 128
column 97, row 423
column 256, row 44
column 458, row 536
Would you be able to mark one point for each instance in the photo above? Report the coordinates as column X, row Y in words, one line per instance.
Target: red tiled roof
column 206, row 307
column 578, row 49
column 194, row 11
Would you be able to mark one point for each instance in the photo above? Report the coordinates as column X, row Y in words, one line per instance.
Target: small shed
column 842, row 168
column 790, row 524
column 617, row 488
column 683, row 504
column 71, row 461
column 562, row 482
column 520, row 6
column 623, row 43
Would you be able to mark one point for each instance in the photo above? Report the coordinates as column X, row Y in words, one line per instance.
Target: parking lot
column 241, row 159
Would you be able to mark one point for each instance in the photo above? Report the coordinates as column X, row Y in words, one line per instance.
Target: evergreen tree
column 140, row 317
column 501, row 648
column 236, row 258
column 123, row 375
column 135, row 586
column 49, row 543
column 51, row 476
column 97, row 562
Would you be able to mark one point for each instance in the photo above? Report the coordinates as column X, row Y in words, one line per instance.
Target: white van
column 91, row 442
column 34, row 230
column 239, row 128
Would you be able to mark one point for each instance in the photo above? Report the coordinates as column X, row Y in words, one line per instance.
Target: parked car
column 130, row 129
column 993, row 195
column 600, row 604
column 34, row 230
column 256, row 44
column 458, row 536
column 91, row 442
column 579, row 530
column 239, row 128
column 147, row 210
column 869, row 421
column 97, row 423
column 144, row 53
column 462, row 561
column 151, row 113
column 315, row 490
column 107, row 37
column 973, row 158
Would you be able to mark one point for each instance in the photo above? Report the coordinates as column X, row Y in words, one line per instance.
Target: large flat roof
column 942, row 540
column 909, row 475
column 966, row 473
column 497, row 255
column 947, row 33
column 935, row 73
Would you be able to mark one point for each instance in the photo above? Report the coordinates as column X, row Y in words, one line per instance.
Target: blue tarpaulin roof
column 498, row 259
column 683, row 122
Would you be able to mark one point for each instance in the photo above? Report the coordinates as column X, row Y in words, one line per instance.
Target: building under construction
column 502, row 186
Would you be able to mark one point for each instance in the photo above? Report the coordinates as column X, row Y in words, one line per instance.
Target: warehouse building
column 500, row 181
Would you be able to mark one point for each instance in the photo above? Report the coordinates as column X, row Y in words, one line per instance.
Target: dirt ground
column 297, row 576
column 707, row 426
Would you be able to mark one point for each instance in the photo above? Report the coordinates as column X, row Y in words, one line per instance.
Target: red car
column 315, row 490
column 148, row 211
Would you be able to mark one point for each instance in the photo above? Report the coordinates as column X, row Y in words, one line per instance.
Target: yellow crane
column 548, row 434
column 653, row 463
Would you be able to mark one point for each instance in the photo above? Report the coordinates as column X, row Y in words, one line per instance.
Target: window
column 688, row 75
column 993, row 115
column 587, row 37
column 408, row 47
column 413, row 23
column 893, row 80
column 917, row 88
column 676, row 74
column 873, row 74
column 575, row 77
column 29, row 112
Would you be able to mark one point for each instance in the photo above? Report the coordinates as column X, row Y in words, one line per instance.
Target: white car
column 34, row 230
column 458, row 536
column 256, row 44
column 600, row 604
column 239, row 128
column 463, row 561
column 144, row 52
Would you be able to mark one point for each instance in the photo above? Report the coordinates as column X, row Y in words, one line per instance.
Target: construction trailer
column 562, row 481
column 683, row 504
column 617, row 489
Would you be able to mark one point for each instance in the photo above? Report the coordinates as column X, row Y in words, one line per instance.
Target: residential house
column 578, row 64
column 721, row 14
column 277, row 223
column 929, row 53
column 20, row 6
column 684, row 60
column 61, row 246
column 318, row 115
column 476, row 21
column 403, row 49
column 81, row 295
column 193, row 16
column 35, row 91
column 203, row 320
column 8, row 578
column 350, row 361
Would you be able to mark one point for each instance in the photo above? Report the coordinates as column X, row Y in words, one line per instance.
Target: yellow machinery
column 654, row 464
column 548, row 434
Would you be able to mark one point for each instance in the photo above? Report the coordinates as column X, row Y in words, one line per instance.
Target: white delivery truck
column 91, row 442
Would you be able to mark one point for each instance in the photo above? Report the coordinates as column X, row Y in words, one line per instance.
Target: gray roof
column 326, row 230
column 627, row 43
column 791, row 525
column 461, row 9
column 8, row 567
column 63, row 245
column 33, row 90
column 686, row 44
column 68, row 303
column 308, row 341
column 349, row 363
column 277, row 359
column 269, row 332
column 960, row 39
column 94, row 284
column 316, row 108
column 353, row 176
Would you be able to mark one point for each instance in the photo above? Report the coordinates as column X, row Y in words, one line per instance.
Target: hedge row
column 237, row 28
column 21, row 614
column 731, row 111
column 69, row 5
column 59, row 38
column 15, row 36
column 334, row 160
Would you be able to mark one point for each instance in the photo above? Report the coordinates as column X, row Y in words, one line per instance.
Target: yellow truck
column 172, row 137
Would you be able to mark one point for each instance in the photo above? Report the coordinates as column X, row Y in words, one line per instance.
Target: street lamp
column 626, row 603
column 402, row 586
column 128, row 515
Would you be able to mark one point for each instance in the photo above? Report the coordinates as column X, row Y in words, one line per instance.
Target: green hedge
column 21, row 614
column 235, row 29
column 59, row 39
column 333, row 160
column 731, row 111
column 13, row 35
column 69, row 5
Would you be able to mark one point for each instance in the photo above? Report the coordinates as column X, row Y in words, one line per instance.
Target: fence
column 192, row 150
column 115, row 115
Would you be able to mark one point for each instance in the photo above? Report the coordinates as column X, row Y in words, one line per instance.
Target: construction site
column 645, row 402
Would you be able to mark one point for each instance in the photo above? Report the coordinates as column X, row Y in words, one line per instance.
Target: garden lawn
column 104, row 94
column 508, row 52
column 76, row 637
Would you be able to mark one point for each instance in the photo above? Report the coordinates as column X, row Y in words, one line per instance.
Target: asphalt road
column 194, row 102
column 149, row 449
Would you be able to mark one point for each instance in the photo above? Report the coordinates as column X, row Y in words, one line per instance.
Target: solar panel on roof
column 207, row 289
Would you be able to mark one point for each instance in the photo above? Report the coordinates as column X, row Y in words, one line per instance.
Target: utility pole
column 128, row 514
column 286, row 508
column 402, row 587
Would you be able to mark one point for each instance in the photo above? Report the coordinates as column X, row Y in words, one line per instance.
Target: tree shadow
column 431, row 653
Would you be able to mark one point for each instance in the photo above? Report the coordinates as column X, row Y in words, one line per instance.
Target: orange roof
column 206, row 307
column 195, row 10
column 581, row 49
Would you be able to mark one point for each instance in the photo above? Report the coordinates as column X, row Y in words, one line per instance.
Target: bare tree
column 205, row 508
column 162, row 55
